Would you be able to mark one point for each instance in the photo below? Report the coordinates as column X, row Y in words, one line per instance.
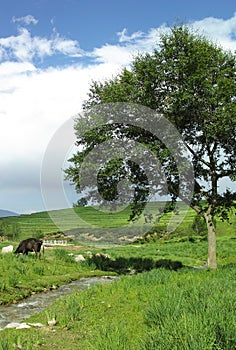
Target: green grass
column 156, row 310
column 22, row 275
column 161, row 309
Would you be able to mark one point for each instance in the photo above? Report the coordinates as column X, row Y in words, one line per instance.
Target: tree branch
column 197, row 157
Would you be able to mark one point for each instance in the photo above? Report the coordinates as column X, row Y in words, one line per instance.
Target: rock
column 53, row 287
column 23, row 326
column 79, row 258
column 18, row 347
column 40, row 325
column 101, row 255
column 12, row 325
column 17, row 325
column 52, row 322
column 8, row 249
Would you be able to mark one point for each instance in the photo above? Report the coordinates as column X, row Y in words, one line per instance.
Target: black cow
column 29, row 245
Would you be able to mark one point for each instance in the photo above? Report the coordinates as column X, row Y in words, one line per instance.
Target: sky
column 51, row 51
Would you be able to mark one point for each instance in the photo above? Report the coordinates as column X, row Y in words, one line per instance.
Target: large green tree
column 191, row 81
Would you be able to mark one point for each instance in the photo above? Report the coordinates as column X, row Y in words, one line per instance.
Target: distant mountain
column 4, row 213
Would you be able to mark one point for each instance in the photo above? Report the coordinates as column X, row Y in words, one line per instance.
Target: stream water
column 35, row 303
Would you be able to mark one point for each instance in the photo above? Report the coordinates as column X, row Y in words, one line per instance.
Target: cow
column 29, row 245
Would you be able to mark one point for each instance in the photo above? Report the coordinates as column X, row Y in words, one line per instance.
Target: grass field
column 171, row 303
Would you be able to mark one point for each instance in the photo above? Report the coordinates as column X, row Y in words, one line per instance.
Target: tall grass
column 156, row 310
column 20, row 275
column 195, row 314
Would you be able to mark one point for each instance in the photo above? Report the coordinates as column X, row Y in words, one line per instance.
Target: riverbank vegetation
column 165, row 299
column 159, row 309
column 167, row 306
column 22, row 275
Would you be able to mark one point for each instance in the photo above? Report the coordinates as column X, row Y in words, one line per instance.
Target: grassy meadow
column 163, row 300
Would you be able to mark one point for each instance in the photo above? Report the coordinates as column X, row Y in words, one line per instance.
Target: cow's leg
column 36, row 254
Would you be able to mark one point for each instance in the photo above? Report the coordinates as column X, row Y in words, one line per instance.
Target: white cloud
column 8, row 69
column 24, row 47
column 221, row 31
column 123, row 37
column 29, row 19
column 66, row 47
column 124, row 52
column 33, row 104
column 115, row 54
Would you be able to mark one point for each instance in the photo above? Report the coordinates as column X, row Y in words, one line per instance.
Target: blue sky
column 49, row 53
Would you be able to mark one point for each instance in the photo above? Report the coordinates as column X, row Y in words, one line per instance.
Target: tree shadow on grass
column 123, row 265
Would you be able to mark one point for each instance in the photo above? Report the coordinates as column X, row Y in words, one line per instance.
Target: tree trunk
column 211, row 262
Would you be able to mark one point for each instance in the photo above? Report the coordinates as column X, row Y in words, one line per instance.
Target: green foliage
column 73, row 310
column 199, row 225
column 11, row 232
column 3, row 229
column 38, row 234
column 81, row 202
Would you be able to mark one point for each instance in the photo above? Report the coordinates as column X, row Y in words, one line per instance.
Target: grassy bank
column 160, row 309
column 22, row 275
column 169, row 304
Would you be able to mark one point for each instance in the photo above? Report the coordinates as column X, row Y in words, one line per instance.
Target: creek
column 16, row 313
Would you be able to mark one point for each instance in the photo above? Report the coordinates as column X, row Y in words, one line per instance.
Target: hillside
column 31, row 224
